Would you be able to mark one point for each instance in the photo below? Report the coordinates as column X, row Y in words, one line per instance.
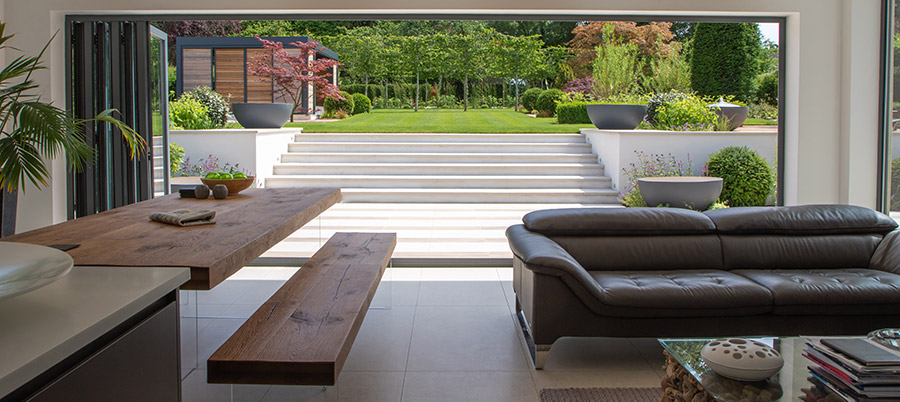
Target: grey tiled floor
column 434, row 335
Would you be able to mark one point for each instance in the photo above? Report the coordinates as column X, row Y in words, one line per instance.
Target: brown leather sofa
column 665, row 272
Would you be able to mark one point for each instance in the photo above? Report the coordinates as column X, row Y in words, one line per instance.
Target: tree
column 357, row 53
column 413, row 59
column 551, row 33
column 467, row 60
column 516, row 57
column 292, row 73
column 725, row 59
column 652, row 40
column 176, row 29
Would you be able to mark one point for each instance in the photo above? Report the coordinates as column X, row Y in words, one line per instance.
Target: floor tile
column 461, row 293
column 383, row 340
column 469, row 386
column 572, row 354
column 465, row 338
column 196, row 389
column 214, row 334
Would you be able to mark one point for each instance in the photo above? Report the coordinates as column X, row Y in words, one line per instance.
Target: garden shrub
column 724, row 59
column 747, row 178
column 546, row 102
column 615, row 69
column 188, row 113
column 580, row 85
column 658, row 100
column 333, row 104
column 572, row 113
column 650, row 165
column 762, row 111
column 686, row 114
column 176, row 158
column 768, row 88
column 216, row 105
column 529, row 98
column 895, row 184
column 361, row 103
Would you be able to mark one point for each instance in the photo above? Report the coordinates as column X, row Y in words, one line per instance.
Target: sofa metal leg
column 538, row 353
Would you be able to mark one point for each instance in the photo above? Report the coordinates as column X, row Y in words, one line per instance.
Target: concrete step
column 434, row 157
column 418, row 147
column 444, row 181
column 464, row 195
column 412, row 169
column 442, row 138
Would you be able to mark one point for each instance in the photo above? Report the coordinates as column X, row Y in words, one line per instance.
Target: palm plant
column 32, row 130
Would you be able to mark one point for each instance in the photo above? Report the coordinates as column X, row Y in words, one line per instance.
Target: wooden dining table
column 247, row 224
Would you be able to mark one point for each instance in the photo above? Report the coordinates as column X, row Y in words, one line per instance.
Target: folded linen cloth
column 185, row 217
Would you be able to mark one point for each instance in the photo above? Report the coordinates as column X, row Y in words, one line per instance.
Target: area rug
column 601, row 394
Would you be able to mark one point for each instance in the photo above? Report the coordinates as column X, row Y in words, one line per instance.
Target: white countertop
column 43, row 327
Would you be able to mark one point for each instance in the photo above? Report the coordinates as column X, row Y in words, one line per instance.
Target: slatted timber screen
column 197, row 68
column 259, row 89
column 230, row 74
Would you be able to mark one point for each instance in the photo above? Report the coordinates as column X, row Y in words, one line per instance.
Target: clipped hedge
column 215, row 104
column 572, row 113
column 768, row 88
column 361, row 104
column 747, row 178
column 188, row 113
column 724, row 59
column 529, row 98
column 333, row 104
column 546, row 103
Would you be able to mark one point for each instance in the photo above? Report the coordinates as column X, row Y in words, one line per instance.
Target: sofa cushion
column 689, row 293
column 798, row 252
column 618, row 222
column 851, row 291
column 644, row 253
column 801, row 220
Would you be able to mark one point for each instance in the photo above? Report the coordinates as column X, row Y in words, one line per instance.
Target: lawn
column 441, row 121
column 760, row 122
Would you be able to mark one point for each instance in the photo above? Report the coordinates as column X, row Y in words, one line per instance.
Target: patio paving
column 457, row 231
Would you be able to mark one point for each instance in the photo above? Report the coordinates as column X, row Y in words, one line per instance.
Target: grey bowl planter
column 735, row 114
column 616, row 117
column 262, row 115
column 681, row 191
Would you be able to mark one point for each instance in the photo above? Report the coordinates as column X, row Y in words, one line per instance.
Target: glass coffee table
column 688, row 378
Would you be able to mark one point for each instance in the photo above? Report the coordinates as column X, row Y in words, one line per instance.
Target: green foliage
column 747, row 178
column 895, row 184
column 361, row 104
column 762, row 111
column 188, row 113
column 616, row 69
column 572, row 113
column 529, row 98
column 686, row 114
column 216, row 106
column 333, row 104
column 546, row 102
column 657, row 100
column 176, row 158
column 718, row 205
column 650, row 165
column 669, row 73
column 768, row 88
column 724, row 59
column 172, row 73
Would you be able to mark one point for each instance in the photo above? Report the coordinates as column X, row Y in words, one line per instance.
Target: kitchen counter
column 42, row 329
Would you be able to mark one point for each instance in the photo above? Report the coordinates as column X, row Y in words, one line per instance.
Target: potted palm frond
column 33, row 131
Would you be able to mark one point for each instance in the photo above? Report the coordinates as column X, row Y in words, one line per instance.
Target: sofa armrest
column 887, row 254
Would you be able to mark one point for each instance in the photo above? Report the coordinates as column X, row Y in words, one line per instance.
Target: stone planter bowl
column 735, row 114
column 616, row 117
column 262, row 115
column 234, row 185
column 694, row 192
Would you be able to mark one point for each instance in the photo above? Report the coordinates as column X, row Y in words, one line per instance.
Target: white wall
column 832, row 67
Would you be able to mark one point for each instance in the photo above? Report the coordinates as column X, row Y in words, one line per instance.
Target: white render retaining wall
column 616, row 148
column 255, row 150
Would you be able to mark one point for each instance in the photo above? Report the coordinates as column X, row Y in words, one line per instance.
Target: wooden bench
column 303, row 334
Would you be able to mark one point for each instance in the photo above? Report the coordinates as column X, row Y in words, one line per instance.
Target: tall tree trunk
column 417, row 91
column 8, row 207
column 367, row 85
column 386, row 96
column 516, row 83
column 503, row 101
column 466, row 94
column 440, row 87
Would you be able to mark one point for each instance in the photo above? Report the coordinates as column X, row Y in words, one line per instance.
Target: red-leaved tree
column 290, row 73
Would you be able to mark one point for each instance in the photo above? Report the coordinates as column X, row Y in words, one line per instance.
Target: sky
column 769, row 31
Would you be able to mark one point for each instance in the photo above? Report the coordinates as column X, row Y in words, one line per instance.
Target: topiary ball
column 546, row 103
column 216, row 106
column 361, row 103
column 529, row 98
column 333, row 104
column 747, row 179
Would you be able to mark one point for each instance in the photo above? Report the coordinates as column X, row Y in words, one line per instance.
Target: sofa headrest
column 618, row 222
column 801, row 220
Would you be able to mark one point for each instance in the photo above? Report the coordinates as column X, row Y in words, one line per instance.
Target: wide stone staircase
column 447, row 168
